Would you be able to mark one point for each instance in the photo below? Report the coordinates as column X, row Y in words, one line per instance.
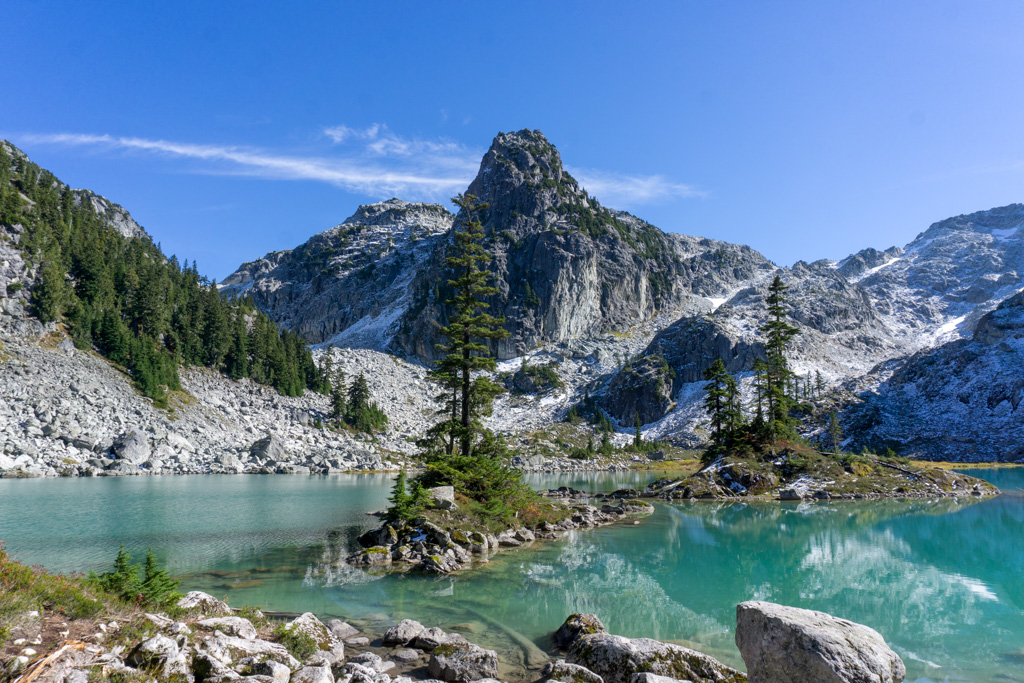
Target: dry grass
column 942, row 465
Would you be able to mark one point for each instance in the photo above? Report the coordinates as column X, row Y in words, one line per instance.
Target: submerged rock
column 780, row 643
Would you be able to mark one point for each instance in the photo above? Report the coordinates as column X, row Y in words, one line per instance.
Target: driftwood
column 42, row 664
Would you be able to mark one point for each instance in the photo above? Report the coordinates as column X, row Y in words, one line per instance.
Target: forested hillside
column 117, row 293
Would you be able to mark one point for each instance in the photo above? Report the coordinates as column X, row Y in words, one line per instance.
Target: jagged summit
column 522, row 175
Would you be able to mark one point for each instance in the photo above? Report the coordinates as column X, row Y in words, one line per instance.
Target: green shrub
column 301, row 645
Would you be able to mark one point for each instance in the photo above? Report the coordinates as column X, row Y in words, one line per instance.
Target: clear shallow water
column 940, row 580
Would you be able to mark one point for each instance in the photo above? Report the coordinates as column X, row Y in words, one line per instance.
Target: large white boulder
column 781, row 644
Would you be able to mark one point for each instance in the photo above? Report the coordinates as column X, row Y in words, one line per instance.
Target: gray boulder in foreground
column 781, row 644
column 616, row 659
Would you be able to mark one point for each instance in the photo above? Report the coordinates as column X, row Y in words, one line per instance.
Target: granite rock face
column 780, row 643
column 566, row 267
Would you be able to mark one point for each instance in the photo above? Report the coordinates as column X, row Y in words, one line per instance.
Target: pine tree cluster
column 154, row 587
column 141, row 310
column 351, row 404
column 777, row 387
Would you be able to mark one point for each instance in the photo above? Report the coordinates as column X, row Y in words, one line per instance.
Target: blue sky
column 805, row 129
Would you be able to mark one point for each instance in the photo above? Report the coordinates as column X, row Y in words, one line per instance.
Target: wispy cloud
column 429, row 169
column 616, row 189
column 374, row 161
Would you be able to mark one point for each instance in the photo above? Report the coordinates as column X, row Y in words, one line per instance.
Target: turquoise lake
column 941, row 580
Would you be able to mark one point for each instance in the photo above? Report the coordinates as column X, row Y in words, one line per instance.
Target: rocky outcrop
column 576, row 626
column 781, row 644
column 805, row 474
column 202, row 645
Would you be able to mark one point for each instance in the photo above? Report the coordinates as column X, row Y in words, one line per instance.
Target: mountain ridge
column 623, row 312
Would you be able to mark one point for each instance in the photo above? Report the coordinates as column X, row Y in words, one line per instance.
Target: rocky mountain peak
column 522, row 176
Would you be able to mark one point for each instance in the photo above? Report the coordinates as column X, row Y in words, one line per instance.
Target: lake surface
column 940, row 580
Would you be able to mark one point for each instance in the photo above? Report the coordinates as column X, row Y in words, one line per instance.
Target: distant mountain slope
column 959, row 401
column 347, row 285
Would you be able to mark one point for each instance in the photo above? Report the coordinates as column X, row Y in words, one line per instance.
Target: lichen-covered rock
column 569, row 673
column 313, row 674
column 309, row 625
column 232, row 626
column 654, row 678
column 462, row 663
column 780, row 643
column 274, row 670
column 403, row 633
column 377, row 556
column 228, row 649
column 575, row 626
column 432, row 638
column 438, row 564
column 198, row 601
column 616, row 659
column 154, row 652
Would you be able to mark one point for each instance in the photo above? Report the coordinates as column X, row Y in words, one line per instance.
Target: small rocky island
column 442, row 540
column 798, row 472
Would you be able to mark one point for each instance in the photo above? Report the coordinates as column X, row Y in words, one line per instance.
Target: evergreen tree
column 606, row 443
column 339, row 394
column 459, row 450
column 716, row 401
column 778, row 334
column 124, row 580
column 732, row 420
column 401, row 500
column 834, row 432
column 51, row 294
column 467, row 398
column 638, row 438
column 358, row 395
column 819, row 384
column 157, row 588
